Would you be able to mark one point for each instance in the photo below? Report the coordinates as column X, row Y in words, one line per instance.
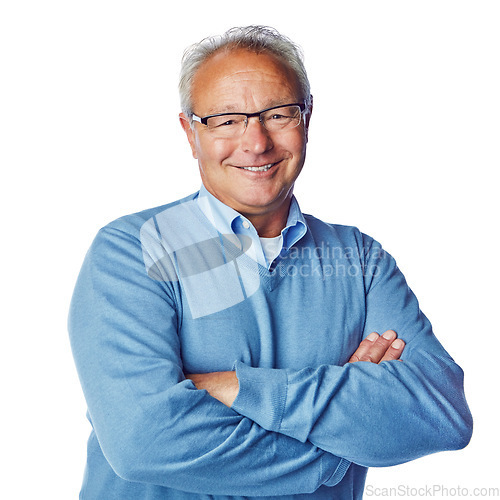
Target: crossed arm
column 333, row 407
column 375, row 348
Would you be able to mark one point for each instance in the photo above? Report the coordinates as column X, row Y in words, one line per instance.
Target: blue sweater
column 185, row 288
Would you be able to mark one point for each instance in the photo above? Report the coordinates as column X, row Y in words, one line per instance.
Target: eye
column 227, row 123
column 224, row 121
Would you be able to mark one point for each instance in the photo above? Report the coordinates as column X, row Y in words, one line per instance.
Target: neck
column 268, row 222
column 271, row 224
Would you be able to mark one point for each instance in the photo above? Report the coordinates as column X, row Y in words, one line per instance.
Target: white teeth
column 264, row 168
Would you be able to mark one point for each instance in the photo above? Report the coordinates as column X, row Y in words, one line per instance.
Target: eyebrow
column 226, row 109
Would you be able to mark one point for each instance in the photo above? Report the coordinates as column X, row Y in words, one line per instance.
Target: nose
column 256, row 138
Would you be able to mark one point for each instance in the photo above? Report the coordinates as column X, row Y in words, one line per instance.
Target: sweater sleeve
column 370, row 414
column 152, row 424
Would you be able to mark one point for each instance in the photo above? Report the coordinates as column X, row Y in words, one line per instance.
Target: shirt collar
column 227, row 220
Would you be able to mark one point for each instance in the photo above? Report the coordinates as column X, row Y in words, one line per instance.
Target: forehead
column 242, row 80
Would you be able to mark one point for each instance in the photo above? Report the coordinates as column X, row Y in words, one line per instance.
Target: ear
column 307, row 117
column 186, row 125
column 309, row 113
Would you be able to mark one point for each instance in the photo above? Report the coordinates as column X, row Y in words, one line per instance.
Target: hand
column 377, row 348
column 223, row 386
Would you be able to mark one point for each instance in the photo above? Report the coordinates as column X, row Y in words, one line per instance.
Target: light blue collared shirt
column 228, row 221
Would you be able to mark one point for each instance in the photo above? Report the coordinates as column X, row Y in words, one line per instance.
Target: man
column 227, row 343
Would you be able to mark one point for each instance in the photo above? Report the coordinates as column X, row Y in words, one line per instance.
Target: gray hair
column 254, row 38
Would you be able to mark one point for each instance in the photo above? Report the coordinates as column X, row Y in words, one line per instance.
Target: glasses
column 274, row 119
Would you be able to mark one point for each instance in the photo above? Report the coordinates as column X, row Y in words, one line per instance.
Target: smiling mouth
column 263, row 168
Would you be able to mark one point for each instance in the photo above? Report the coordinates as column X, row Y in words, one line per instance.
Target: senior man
column 229, row 345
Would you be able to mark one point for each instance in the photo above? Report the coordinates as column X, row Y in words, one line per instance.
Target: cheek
column 294, row 143
column 213, row 151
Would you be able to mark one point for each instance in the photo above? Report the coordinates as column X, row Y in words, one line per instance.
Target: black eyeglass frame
column 203, row 120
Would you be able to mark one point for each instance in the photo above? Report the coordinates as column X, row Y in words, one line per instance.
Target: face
column 242, row 81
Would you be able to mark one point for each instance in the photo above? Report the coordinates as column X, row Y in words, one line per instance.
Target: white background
column 404, row 144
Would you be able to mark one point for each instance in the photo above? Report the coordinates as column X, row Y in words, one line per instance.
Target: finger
column 364, row 347
column 395, row 350
column 374, row 351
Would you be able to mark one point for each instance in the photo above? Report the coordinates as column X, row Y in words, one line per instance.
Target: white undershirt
column 271, row 247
